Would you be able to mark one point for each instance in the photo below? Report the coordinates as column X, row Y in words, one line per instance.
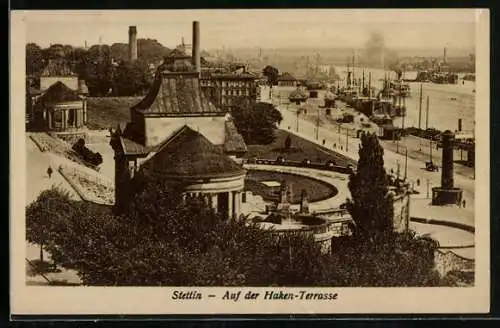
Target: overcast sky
column 454, row 28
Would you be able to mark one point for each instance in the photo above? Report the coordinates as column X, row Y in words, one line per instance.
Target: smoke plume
column 376, row 54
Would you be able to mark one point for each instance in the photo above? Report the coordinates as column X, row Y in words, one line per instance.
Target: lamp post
column 297, row 126
column 406, row 163
column 317, row 126
column 428, row 182
column 397, row 169
column 346, row 140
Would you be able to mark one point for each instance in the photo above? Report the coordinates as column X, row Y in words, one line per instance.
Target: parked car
column 330, row 163
column 252, row 160
column 280, row 160
column 306, row 162
column 430, row 166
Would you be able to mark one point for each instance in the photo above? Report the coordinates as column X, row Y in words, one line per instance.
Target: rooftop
column 176, row 94
column 57, row 93
column 286, row 77
column 188, row 154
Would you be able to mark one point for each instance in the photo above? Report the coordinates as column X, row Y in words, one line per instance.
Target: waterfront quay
column 412, row 166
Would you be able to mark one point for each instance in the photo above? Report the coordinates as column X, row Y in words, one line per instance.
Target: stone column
column 214, row 202
column 447, row 165
column 48, row 119
column 230, row 205
column 236, row 207
column 65, row 121
column 84, row 111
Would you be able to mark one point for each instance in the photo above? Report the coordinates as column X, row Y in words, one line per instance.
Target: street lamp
column 298, row 112
column 428, row 182
column 317, row 126
column 346, row 140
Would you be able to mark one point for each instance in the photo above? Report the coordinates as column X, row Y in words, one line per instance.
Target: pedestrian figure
column 341, row 148
column 418, row 182
column 463, row 203
column 324, row 141
column 49, row 172
column 334, row 145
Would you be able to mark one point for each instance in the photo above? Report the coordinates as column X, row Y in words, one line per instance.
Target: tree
column 43, row 215
column 257, row 123
column 271, row 73
column 163, row 240
column 99, row 70
column 131, row 79
column 371, row 206
column 148, row 50
column 34, row 59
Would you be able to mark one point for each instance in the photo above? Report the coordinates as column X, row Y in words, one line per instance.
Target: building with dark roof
column 58, row 70
column 175, row 133
column 287, row 80
column 59, row 108
column 227, row 89
column 59, row 104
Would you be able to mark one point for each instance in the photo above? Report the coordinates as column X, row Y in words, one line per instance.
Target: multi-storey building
column 226, row 89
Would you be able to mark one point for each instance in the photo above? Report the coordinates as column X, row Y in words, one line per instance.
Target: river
column 447, row 102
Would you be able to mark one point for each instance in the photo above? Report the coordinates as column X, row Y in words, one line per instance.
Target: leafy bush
column 163, row 240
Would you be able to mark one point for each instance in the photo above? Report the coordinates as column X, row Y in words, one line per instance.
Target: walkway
column 37, row 180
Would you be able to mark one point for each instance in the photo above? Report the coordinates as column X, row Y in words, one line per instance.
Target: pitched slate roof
column 177, row 94
column 234, row 142
column 286, row 77
column 57, row 93
column 188, row 154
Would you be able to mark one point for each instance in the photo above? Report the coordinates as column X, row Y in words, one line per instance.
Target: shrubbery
column 86, row 154
column 163, row 241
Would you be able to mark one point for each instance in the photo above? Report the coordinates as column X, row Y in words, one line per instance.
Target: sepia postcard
column 250, row 162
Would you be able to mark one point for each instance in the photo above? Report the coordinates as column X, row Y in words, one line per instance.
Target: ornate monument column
column 447, row 193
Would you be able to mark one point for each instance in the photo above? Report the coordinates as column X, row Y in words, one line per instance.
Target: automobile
column 350, row 168
column 306, row 162
column 430, row 166
column 280, row 160
column 330, row 163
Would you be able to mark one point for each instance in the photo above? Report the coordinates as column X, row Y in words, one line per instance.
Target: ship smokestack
column 196, row 46
column 444, row 55
column 132, row 43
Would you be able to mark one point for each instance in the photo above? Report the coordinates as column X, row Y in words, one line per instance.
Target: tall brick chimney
column 132, row 43
column 196, row 47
